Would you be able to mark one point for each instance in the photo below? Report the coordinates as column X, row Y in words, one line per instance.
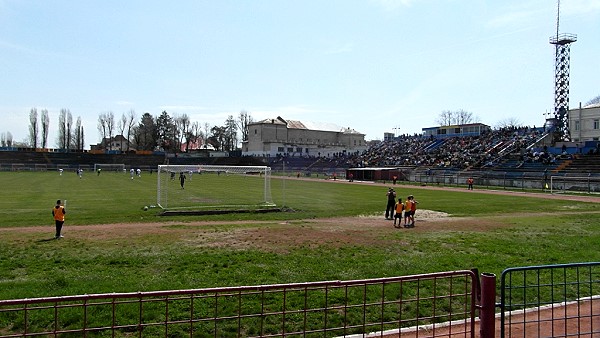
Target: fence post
column 487, row 308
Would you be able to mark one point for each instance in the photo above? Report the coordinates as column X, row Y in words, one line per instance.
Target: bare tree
column 206, row 133
column 183, row 126
column 45, row 127
column 244, row 119
column 130, row 126
column 463, row 117
column 510, row 122
column 195, row 132
column 102, row 126
column 69, row 129
column 110, row 125
column 595, row 100
column 448, row 118
column 445, row 118
column 78, row 135
column 62, row 129
column 6, row 139
column 33, row 128
column 121, row 125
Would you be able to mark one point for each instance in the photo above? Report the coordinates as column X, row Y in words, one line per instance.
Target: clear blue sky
column 372, row 65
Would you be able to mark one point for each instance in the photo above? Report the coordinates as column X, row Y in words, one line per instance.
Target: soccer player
column 182, row 179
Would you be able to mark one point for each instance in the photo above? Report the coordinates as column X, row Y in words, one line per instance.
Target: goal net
column 213, row 187
column 583, row 184
column 120, row 167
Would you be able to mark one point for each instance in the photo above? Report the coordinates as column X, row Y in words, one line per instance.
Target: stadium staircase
column 580, row 164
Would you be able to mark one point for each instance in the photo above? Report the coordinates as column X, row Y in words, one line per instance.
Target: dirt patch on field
column 273, row 236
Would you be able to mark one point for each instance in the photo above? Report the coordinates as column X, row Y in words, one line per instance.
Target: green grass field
column 329, row 231
column 179, row 253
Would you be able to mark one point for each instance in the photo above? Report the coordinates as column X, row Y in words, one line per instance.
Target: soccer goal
column 120, row 167
column 41, row 167
column 584, row 184
column 213, row 187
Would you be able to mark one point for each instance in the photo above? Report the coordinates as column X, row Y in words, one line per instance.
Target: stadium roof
column 309, row 125
column 593, row 105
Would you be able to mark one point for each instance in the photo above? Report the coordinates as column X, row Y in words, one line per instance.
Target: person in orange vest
column 59, row 218
column 470, row 183
column 410, row 208
column 398, row 215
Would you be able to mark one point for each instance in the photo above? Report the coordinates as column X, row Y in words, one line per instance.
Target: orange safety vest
column 399, row 207
column 59, row 213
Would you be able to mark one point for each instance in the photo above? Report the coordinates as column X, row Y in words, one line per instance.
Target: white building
column 584, row 123
column 272, row 137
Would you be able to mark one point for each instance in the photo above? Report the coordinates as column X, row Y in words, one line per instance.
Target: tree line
column 173, row 133
column 70, row 136
column 163, row 132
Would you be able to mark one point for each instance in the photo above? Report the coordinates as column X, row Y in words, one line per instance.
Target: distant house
column 458, row 130
column 280, row 137
column 195, row 145
column 118, row 142
column 584, row 123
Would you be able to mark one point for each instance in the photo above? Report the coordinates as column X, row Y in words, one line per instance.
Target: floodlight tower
column 562, row 44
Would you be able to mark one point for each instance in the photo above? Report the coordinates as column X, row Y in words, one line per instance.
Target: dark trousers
column 59, row 225
column 389, row 209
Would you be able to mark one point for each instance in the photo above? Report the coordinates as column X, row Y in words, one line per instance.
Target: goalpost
column 119, row 167
column 213, row 187
column 585, row 184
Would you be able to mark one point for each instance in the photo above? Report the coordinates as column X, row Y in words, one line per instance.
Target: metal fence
column 551, row 182
column 551, row 301
column 354, row 308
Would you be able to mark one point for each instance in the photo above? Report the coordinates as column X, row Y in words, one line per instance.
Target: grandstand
column 509, row 157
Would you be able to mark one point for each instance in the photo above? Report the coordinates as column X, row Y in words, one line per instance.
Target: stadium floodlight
column 213, row 187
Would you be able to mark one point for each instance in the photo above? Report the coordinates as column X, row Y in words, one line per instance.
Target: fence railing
column 537, row 301
column 320, row 309
column 587, row 183
column 560, row 300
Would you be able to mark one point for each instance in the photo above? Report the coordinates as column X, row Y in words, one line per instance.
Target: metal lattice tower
column 562, row 67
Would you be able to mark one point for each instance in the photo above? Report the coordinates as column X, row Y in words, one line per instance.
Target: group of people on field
column 396, row 210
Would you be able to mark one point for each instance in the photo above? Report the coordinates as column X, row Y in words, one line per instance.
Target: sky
column 375, row 66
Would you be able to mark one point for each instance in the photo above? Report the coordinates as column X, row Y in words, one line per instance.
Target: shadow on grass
column 46, row 240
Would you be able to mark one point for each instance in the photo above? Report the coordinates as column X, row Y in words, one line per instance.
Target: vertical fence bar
column 487, row 305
